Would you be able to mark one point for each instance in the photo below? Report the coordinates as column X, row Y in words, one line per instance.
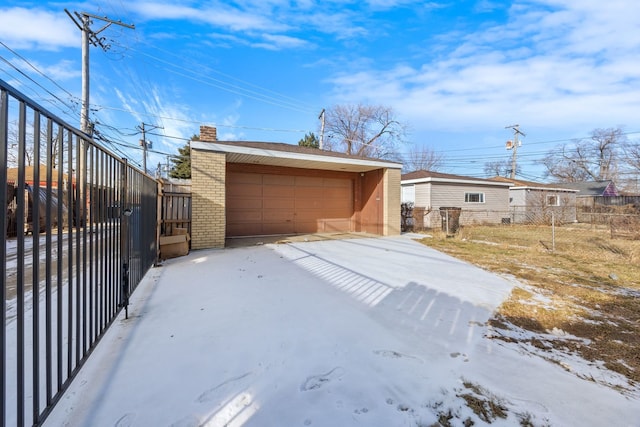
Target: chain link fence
column 552, row 223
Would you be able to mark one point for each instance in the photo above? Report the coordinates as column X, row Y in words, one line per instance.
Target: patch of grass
column 486, row 406
column 526, row 420
column 588, row 287
column 444, row 419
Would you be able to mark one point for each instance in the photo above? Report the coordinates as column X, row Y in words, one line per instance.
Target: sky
column 457, row 74
column 305, row 334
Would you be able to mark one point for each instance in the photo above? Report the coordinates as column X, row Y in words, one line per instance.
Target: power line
column 25, row 75
column 455, row 160
column 196, row 122
column 483, row 148
column 278, row 100
column 34, row 68
column 90, row 36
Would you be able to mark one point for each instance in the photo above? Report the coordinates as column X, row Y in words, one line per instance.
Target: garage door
column 262, row 204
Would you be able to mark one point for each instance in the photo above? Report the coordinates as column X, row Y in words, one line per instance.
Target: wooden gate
column 175, row 207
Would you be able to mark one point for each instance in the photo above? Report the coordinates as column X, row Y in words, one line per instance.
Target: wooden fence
column 175, row 207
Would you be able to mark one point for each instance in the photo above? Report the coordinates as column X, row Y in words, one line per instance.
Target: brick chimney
column 208, row 133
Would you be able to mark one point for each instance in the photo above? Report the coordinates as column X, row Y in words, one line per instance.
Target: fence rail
column 176, row 212
column 79, row 234
column 620, row 221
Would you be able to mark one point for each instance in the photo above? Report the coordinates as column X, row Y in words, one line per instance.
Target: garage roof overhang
column 264, row 156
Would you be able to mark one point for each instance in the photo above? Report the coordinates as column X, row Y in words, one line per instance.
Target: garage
column 268, row 203
column 248, row 188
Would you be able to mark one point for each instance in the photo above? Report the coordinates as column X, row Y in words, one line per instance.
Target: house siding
column 423, row 195
column 538, row 210
column 423, row 205
column 518, row 205
column 529, row 205
column 494, row 208
column 518, row 197
column 434, row 195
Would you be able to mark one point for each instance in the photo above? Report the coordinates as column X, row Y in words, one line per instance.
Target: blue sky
column 457, row 73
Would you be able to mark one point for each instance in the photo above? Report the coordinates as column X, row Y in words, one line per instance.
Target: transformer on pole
column 513, row 145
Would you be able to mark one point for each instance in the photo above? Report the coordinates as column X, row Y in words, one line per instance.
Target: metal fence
column 615, row 221
column 84, row 223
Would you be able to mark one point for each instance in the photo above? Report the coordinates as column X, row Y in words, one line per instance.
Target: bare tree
column 595, row 158
column 364, row 130
column 632, row 155
column 13, row 150
column 631, row 181
column 422, row 158
column 499, row 168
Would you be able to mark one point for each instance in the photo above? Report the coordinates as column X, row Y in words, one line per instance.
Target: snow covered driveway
column 376, row 332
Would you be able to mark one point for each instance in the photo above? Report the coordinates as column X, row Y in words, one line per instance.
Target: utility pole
column 513, row 145
column 144, row 143
column 321, row 117
column 83, row 22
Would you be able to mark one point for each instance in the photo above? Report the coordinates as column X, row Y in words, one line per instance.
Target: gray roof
column 520, row 184
column 425, row 174
column 592, row 188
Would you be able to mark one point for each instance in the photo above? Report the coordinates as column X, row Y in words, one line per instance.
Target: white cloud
column 175, row 119
column 341, row 23
column 567, row 63
column 228, row 130
column 277, row 42
column 253, row 19
column 487, row 6
column 218, row 16
column 63, row 70
column 390, row 4
column 23, row 28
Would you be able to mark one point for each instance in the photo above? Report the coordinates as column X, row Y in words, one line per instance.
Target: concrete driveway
column 379, row 332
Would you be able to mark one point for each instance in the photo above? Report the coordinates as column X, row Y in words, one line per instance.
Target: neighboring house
column 242, row 188
column 533, row 202
column 480, row 200
column 588, row 191
column 30, row 173
column 592, row 188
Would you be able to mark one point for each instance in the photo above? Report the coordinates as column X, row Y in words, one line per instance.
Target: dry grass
column 486, row 406
column 589, row 287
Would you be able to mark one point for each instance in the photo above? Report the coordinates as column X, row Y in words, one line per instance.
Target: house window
column 553, row 201
column 474, row 197
column 408, row 194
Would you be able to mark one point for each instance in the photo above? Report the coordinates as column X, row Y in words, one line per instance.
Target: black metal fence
column 84, row 223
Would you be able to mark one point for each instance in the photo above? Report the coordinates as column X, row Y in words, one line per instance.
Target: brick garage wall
column 392, row 191
column 208, row 199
